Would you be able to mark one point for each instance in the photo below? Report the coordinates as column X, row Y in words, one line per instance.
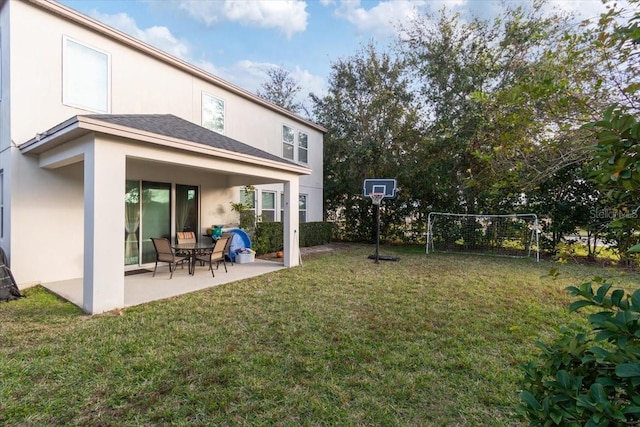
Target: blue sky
column 238, row 40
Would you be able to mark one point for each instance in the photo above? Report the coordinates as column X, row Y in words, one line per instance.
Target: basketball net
column 376, row 198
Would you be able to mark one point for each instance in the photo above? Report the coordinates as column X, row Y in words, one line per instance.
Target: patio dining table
column 192, row 249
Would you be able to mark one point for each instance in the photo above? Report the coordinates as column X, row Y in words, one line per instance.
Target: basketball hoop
column 376, row 198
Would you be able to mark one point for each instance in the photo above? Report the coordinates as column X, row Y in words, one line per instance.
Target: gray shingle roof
column 175, row 127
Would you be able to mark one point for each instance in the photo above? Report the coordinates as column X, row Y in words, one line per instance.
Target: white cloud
column 585, row 9
column 157, row 36
column 288, row 16
column 246, row 74
column 382, row 19
column 385, row 15
column 310, row 83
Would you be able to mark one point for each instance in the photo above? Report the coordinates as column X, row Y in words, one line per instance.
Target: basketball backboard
column 380, row 185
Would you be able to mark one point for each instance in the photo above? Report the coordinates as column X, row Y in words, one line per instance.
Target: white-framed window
column 302, row 207
column 212, row 113
column 86, row 77
column 303, row 147
column 268, row 212
column 288, row 142
column 281, row 207
column 295, row 145
column 248, row 199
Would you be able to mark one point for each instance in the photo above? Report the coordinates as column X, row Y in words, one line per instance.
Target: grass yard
column 431, row 340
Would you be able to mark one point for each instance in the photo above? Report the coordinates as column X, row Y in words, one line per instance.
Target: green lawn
column 430, row 340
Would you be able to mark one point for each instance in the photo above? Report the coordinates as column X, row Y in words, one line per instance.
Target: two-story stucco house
column 106, row 142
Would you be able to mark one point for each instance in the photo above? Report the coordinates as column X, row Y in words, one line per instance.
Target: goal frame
column 534, row 238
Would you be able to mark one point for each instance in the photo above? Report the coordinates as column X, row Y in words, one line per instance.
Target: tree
column 616, row 158
column 505, row 101
column 568, row 201
column 373, row 129
column 281, row 89
column 617, row 46
column 472, row 116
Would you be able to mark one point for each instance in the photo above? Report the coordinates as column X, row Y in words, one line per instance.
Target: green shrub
column 315, row 233
column 589, row 375
column 268, row 235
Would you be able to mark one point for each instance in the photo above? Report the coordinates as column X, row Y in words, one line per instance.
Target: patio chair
column 227, row 248
column 164, row 253
column 217, row 255
column 186, row 237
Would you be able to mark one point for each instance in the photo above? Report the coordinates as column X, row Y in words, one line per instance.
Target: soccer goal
column 501, row 235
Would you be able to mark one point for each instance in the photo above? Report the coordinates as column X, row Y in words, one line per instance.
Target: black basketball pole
column 377, row 234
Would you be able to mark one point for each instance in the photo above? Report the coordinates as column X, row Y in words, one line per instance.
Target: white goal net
column 501, row 235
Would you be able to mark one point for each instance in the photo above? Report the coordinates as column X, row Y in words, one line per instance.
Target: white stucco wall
column 46, row 205
column 140, row 84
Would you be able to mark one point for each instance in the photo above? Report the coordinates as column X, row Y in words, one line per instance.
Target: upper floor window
column 294, row 146
column 86, row 77
column 303, row 148
column 288, row 140
column 212, row 113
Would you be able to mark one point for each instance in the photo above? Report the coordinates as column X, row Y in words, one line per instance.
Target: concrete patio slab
column 141, row 288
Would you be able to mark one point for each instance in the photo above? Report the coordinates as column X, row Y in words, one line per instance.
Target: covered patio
column 94, row 156
column 140, row 288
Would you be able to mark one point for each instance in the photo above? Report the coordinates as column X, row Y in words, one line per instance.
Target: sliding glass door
column 186, row 208
column 132, row 223
column 148, row 214
column 156, row 216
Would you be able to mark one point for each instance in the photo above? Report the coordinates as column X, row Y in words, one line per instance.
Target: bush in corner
column 589, row 376
column 268, row 235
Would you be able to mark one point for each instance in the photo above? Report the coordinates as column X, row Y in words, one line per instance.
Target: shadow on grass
column 39, row 304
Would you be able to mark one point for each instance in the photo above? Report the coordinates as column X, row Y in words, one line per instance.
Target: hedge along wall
column 268, row 235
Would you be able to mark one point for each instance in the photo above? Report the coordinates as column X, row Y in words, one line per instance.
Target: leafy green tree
column 566, row 202
column 505, row 101
column 616, row 158
column 473, row 116
column 617, row 172
column 617, row 47
column 373, row 130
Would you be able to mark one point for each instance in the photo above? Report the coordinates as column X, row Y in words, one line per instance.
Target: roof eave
column 79, row 125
